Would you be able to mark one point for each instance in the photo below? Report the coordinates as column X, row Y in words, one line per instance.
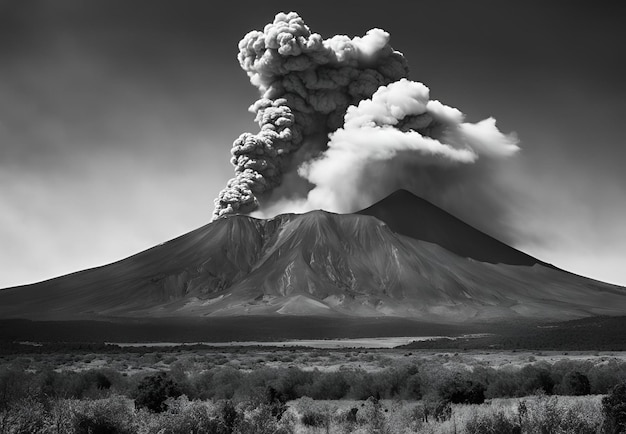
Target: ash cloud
column 306, row 84
column 342, row 127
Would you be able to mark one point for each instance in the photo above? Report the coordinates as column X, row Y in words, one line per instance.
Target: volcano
column 403, row 257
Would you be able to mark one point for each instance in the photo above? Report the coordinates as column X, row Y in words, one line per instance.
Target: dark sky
column 117, row 117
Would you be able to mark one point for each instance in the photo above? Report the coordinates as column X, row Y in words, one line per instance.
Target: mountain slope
column 402, row 257
column 417, row 218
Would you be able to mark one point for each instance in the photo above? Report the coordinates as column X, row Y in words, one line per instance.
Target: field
column 89, row 388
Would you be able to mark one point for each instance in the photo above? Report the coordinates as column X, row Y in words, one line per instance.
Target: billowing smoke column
column 342, row 127
column 401, row 139
column 306, row 85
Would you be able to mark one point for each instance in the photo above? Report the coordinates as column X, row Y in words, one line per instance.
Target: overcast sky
column 117, row 117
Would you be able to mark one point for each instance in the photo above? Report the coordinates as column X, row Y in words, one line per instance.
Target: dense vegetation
column 408, row 381
column 412, row 395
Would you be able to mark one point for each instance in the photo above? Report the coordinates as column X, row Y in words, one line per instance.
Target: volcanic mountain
column 402, row 257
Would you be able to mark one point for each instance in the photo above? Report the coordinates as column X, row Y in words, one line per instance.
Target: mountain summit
column 401, row 257
column 414, row 217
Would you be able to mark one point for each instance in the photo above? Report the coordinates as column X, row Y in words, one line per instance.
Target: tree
column 536, row 377
column 575, row 383
column 460, row 390
column 153, row 391
column 614, row 408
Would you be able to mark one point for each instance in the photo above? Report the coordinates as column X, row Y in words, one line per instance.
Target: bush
column 575, row 383
column 184, row 416
column 329, row 385
column 412, row 388
column 313, row 413
column 230, row 416
column 258, row 420
column 536, row 378
column 614, row 409
column 442, row 410
column 104, row 416
column 373, row 416
column 153, row 391
column 87, row 384
column 604, row 377
column 460, row 390
column 313, row 419
column 24, row 416
column 496, row 422
column 543, row 415
column 225, row 382
column 504, row 383
column 549, row 414
column 275, row 400
column 294, row 382
column 15, row 386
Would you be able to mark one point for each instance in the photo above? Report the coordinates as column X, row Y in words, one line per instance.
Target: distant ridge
column 417, row 218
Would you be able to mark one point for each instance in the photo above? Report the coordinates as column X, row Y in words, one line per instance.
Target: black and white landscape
column 400, row 258
column 380, row 261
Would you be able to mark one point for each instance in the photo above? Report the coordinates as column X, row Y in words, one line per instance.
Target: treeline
column 275, row 400
column 11, row 348
column 412, row 380
column 588, row 334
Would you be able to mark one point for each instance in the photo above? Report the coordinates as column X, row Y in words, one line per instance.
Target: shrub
column 442, row 410
column 153, row 391
column 575, row 383
column 405, row 417
column 604, row 377
column 575, row 420
column 614, row 409
column 225, row 382
column 104, row 416
column 495, row 422
column 101, row 381
column 331, row 385
column 15, row 386
column 87, row 384
column 362, row 384
column 313, row 413
column 460, row 390
column 60, row 417
column 184, row 416
column 412, row 387
column 258, row 420
column 373, row 416
column 549, row 414
column 536, row 378
column 294, row 382
column 230, row 416
column 313, row 419
column 504, row 383
column 543, row 415
column 24, row 416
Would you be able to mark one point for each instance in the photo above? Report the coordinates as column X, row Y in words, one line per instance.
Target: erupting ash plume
column 342, row 127
column 306, row 85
